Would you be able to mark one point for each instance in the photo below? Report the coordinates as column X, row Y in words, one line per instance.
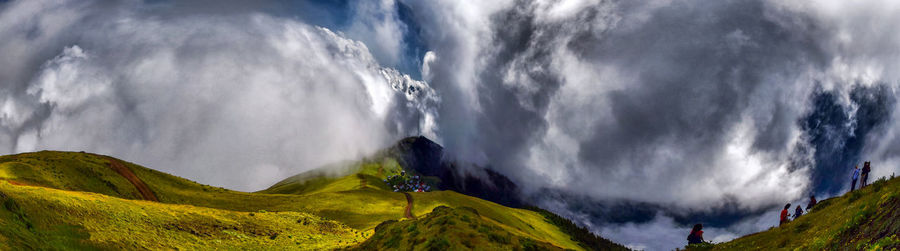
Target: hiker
column 865, row 174
column 784, row 214
column 696, row 236
column 812, row 202
column 798, row 212
column 855, row 176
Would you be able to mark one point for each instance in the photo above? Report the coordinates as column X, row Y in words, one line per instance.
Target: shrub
column 887, row 241
column 529, row 245
column 700, row 246
column 498, row 238
column 855, row 195
column 802, row 227
column 408, row 183
column 823, row 204
column 393, row 242
column 439, row 243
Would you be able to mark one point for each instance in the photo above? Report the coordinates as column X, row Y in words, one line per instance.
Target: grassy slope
column 359, row 207
column 44, row 218
column 68, row 171
column 520, row 223
column 868, row 219
column 359, row 200
column 449, row 229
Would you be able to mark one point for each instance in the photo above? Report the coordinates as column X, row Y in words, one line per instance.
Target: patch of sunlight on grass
column 114, row 223
column 523, row 222
column 4, row 172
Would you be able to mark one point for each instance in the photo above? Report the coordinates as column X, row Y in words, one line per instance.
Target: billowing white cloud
column 239, row 101
column 377, row 24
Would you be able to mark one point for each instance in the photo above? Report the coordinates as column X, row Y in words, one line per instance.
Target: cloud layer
column 692, row 107
column 239, row 100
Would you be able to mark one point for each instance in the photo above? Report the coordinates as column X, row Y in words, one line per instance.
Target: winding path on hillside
column 362, row 182
column 142, row 188
column 408, row 211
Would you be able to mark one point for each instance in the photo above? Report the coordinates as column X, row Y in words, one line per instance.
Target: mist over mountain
column 625, row 116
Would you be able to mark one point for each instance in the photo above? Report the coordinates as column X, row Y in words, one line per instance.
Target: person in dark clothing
column 798, row 212
column 696, row 236
column 784, row 215
column 854, row 176
column 812, row 202
column 865, row 174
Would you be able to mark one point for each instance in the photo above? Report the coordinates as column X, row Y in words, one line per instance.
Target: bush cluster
column 407, row 183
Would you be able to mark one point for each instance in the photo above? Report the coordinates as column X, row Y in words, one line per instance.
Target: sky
column 634, row 118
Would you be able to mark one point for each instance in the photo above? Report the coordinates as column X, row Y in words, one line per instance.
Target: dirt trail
column 13, row 182
column 128, row 175
column 408, row 211
column 362, row 181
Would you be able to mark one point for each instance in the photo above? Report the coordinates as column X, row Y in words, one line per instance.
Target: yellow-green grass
column 522, row 222
column 344, row 199
column 376, row 196
column 349, row 199
column 67, row 170
column 867, row 219
column 449, row 229
column 358, row 199
column 346, row 178
column 334, row 197
column 44, row 218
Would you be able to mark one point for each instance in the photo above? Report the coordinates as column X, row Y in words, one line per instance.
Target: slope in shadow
column 427, row 157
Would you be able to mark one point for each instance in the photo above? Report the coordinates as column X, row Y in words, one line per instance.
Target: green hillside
column 66, row 199
column 44, row 218
column 520, row 223
column 867, row 219
column 449, row 229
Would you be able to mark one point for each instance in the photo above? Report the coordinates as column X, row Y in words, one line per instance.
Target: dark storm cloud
column 686, row 77
column 837, row 132
column 697, row 69
column 677, row 110
column 514, row 113
column 699, row 72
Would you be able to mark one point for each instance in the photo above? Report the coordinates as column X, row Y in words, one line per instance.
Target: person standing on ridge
column 812, row 202
column 798, row 212
column 784, row 215
column 696, row 236
column 865, row 174
column 855, row 176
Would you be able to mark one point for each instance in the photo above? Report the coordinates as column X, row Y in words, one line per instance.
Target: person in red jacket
column 696, row 236
column 784, row 214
